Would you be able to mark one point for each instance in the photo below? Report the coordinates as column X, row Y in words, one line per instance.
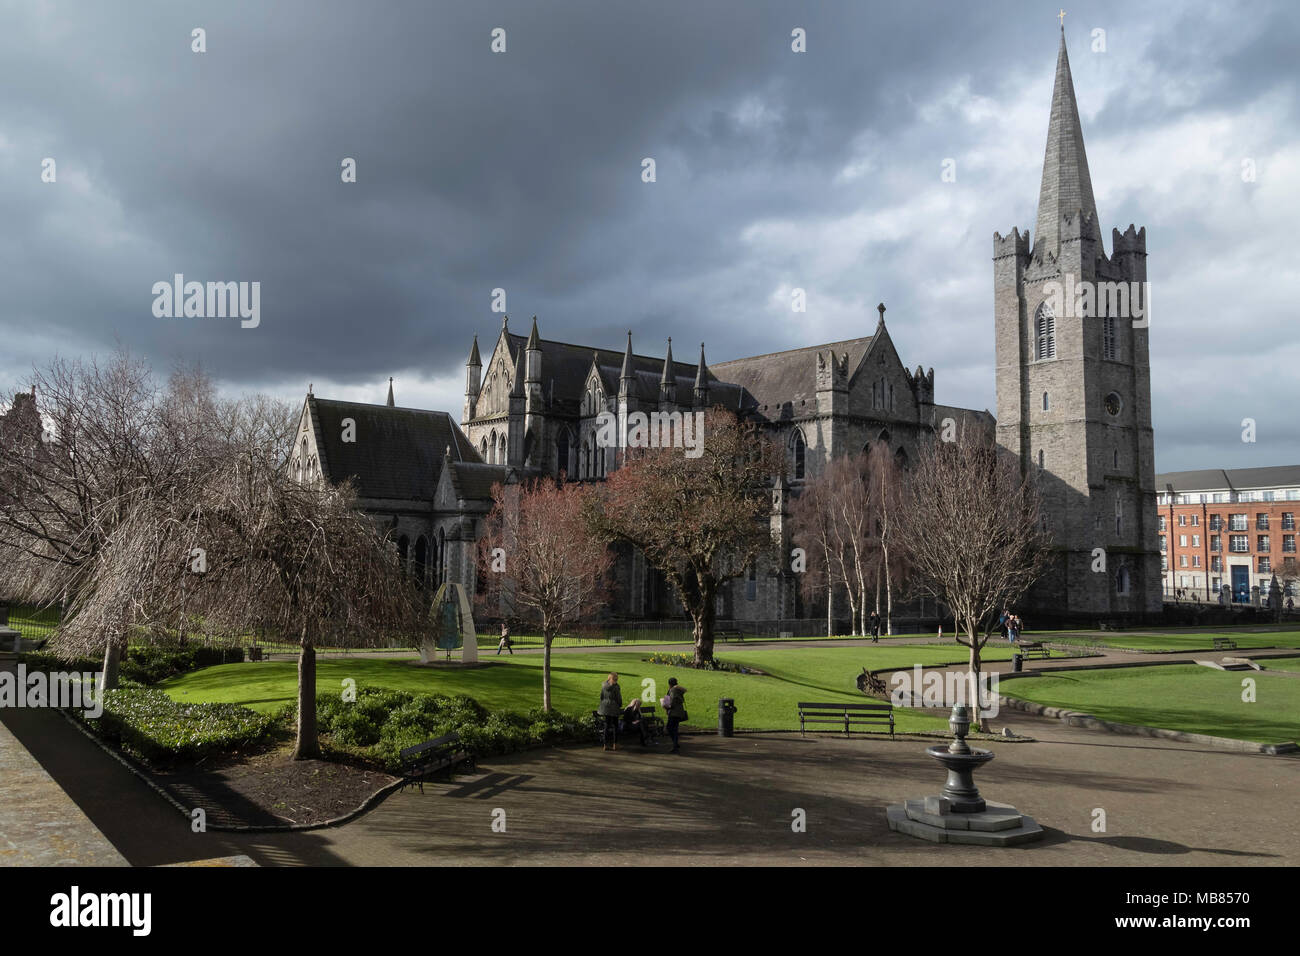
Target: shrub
column 149, row 724
column 381, row 723
column 687, row 660
column 46, row 661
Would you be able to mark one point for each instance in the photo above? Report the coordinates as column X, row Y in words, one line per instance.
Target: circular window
column 1114, row 403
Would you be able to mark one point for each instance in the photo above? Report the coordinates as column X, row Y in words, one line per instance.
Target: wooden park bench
column 1224, row 644
column 729, row 636
column 428, row 758
column 654, row 724
column 846, row 716
column 1031, row 649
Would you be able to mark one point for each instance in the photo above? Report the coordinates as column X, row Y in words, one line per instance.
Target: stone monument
column 451, row 626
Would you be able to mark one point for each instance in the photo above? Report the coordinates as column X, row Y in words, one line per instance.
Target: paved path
column 730, row 800
column 39, row 824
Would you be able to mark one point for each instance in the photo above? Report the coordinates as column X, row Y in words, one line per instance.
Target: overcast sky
column 522, row 170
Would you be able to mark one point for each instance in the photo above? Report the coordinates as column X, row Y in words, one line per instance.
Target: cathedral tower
column 1074, row 384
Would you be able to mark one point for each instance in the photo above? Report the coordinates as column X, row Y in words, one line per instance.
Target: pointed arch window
column 562, row 451
column 1109, row 348
column 1044, row 333
column 800, row 454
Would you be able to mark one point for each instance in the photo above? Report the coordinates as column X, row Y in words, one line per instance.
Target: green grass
column 1183, row 697
column 764, row 701
column 1174, row 640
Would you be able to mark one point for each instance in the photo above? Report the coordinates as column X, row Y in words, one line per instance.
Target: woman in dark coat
column 676, row 711
column 611, row 706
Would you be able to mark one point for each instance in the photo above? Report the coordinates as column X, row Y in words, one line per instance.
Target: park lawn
column 1174, row 640
column 1184, row 697
column 764, row 702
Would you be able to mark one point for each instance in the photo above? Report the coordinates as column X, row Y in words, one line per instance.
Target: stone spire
column 627, row 358
column 390, row 392
column 702, row 380
column 474, row 359
column 517, row 386
column 533, row 359
column 668, row 380
column 1067, row 187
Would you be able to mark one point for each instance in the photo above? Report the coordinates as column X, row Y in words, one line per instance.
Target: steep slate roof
column 398, row 452
column 474, row 480
column 779, row 377
column 1220, row 479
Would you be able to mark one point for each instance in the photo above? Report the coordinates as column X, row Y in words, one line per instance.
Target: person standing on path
column 875, row 628
column 675, row 706
column 611, row 708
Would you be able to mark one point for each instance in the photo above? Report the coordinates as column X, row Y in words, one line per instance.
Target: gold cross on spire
column 1061, row 16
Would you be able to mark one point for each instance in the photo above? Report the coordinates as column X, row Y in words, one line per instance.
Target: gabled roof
column 474, row 480
column 1230, row 479
column 398, row 452
column 779, row 377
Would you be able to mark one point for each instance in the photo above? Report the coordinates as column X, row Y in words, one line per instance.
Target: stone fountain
column 958, row 814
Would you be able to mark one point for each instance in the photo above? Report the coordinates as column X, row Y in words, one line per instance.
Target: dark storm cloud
column 522, row 171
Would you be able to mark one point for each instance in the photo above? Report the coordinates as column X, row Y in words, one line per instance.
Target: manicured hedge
column 380, row 723
column 142, row 664
column 147, row 723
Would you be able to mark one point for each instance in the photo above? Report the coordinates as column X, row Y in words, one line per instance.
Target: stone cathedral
column 1073, row 402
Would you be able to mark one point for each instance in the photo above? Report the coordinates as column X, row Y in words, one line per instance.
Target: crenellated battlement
column 1015, row 244
column 1130, row 241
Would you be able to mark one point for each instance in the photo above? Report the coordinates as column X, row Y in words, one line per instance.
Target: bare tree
column 554, row 573
column 295, row 559
column 975, row 534
column 111, row 443
column 700, row 521
column 885, row 481
column 812, row 515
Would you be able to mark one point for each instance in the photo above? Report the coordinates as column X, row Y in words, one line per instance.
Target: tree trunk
column 830, row 609
column 112, row 656
column 889, row 596
column 307, row 746
column 974, row 694
column 704, row 633
column 546, row 672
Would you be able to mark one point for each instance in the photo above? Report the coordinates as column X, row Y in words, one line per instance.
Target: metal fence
column 34, row 624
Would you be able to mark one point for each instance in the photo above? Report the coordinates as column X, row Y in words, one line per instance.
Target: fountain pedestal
column 958, row 814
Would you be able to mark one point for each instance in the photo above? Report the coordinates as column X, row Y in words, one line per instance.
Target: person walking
column 611, row 708
column 875, row 628
column 505, row 644
column 675, row 707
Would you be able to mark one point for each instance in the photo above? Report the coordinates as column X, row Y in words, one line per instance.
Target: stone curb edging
column 1075, row 718
column 366, row 805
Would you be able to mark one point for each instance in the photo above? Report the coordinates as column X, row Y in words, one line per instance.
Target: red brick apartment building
column 1229, row 529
